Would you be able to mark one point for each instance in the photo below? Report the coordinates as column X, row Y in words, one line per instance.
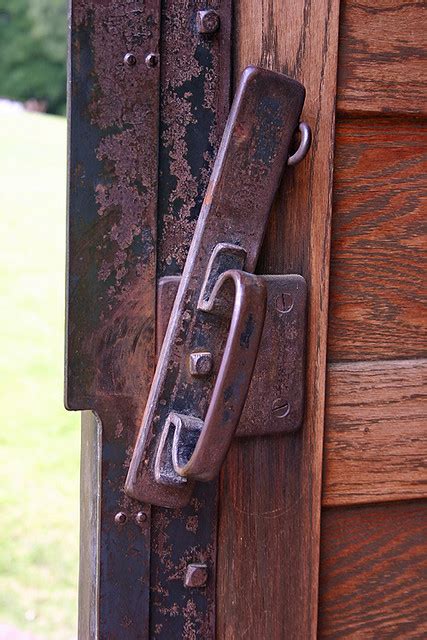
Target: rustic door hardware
column 208, row 355
column 149, row 99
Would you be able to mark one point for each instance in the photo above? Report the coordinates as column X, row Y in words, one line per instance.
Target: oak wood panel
column 378, row 257
column 382, row 57
column 270, row 488
column 375, row 432
column 374, row 572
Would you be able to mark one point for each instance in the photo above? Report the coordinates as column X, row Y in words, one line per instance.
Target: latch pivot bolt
column 196, row 575
column 207, row 21
column 201, row 363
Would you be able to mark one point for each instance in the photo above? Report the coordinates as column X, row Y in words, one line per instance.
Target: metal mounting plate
column 275, row 403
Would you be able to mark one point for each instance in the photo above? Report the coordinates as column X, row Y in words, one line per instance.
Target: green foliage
column 33, row 51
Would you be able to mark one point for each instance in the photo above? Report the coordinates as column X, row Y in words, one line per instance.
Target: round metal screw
column 120, row 517
column 141, row 517
column 130, row 59
column 207, row 21
column 196, row 575
column 284, row 302
column 280, row 408
column 201, row 363
column 151, row 60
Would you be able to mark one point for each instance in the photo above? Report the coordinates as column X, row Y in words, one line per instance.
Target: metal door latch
column 231, row 360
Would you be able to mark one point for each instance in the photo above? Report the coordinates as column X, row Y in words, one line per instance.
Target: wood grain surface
column 375, row 432
column 378, row 257
column 374, row 572
column 382, row 57
column 270, row 488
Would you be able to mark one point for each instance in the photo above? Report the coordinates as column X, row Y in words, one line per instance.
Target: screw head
column 280, row 408
column 120, row 517
column 284, row 302
column 151, row 60
column 141, row 517
column 196, row 575
column 130, row 59
column 201, row 363
column 207, row 21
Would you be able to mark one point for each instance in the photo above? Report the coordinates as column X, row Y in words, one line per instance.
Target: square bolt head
column 207, row 21
column 201, row 363
column 196, row 575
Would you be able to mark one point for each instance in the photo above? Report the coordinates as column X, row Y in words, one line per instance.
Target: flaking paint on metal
column 194, row 106
column 111, row 281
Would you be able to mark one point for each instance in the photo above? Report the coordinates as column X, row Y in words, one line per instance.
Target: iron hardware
column 190, row 419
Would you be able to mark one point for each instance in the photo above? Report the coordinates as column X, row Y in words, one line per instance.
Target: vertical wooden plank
column 270, row 488
column 89, row 531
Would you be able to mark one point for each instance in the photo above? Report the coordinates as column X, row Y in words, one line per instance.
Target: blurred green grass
column 39, row 440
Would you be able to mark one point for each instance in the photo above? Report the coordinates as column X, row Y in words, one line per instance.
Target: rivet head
column 280, row 408
column 151, row 60
column 120, row 517
column 130, row 59
column 196, row 575
column 201, row 363
column 207, row 21
column 141, row 517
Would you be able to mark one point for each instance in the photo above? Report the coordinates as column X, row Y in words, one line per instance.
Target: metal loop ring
column 304, row 145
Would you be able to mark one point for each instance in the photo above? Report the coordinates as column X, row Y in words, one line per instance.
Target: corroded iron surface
column 116, row 172
column 275, row 402
column 111, row 289
column 112, row 200
column 195, row 93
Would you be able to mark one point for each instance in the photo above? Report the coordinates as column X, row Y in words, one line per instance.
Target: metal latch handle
column 185, row 421
column 197, row 448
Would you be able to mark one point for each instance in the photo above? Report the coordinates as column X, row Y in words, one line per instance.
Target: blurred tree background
column 33, row 44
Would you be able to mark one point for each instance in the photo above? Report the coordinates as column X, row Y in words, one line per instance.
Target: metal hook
column 304, row 145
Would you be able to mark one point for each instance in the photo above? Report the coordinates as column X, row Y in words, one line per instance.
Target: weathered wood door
column 319, row 533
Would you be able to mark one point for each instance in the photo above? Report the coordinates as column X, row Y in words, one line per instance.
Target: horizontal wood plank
column 375, row 434
column 378, row 258
column 373, row 572
column 382, row 57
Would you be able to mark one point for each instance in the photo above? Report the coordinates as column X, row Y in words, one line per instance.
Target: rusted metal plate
column 195, row 100
column 113, row 224
column 114, row 105
column 275, row 402
column 112, row 200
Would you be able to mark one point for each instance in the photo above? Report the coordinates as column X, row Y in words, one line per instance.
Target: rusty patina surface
column 112, row 226
column 117, row 170
column 275, row 402
column 195, row 101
